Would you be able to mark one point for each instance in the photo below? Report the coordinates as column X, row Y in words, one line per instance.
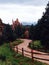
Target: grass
column 16, row 42
column 9, row 57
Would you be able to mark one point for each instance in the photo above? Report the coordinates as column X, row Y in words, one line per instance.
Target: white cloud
column 28, row 13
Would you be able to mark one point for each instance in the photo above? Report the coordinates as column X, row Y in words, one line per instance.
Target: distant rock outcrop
column 15, row 23
column 1, row 27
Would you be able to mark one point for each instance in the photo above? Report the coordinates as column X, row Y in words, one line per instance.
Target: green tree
column 18, row 31
column 31, row 32
column 41, row 30
column 43, row 25
column 8, row 34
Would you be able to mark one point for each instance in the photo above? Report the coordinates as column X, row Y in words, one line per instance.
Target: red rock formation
column 15, row 23
column 26, row 34
column 1, row 27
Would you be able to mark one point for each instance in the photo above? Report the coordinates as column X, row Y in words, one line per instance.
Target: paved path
column 25, row 46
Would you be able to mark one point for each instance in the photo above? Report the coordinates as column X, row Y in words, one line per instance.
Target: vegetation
column 9, row 57
column 8, row 34
column 41, row 30
column 36, row 45
column 16, row 42
column 18, row 31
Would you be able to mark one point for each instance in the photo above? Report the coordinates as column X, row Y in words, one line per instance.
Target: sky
column 24, row 10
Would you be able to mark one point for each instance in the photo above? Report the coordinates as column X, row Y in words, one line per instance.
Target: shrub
column 2, row 57
column 35, row 45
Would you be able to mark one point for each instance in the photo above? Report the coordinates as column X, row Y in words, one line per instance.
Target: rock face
column 15, row 23
column 1, row 27
column 26, row 33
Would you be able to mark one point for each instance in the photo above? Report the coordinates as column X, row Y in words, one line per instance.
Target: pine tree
column 8, row 34
column 43, row 24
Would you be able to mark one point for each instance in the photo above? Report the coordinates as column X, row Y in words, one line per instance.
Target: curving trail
column 25, row 46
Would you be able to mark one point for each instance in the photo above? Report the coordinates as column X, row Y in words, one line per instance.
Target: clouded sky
column 24, row 10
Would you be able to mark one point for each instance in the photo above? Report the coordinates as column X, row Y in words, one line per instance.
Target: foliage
column 8, row 34
column 35, row 45
column 41, row 30
column 12, row 58
column 1, row 40
column 18, row 31
column 43, row 24
column 16, row 42
column 31, row 32
column 2, row 57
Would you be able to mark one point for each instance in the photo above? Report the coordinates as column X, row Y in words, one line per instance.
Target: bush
column 18, row 41
column 35, row 45
column 2, row 57
column 1, row 40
